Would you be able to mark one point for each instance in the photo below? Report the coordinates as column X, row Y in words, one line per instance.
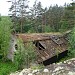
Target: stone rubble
column 65, row 68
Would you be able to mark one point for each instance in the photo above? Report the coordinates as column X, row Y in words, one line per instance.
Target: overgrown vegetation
column 5, row 35
column 38, row 19
column 7, row 67
column 24, row 55
column 72, row 43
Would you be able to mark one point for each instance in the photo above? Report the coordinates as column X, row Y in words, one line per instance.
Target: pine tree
column 19, row 13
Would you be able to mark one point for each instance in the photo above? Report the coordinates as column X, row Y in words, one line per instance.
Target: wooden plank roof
column 52, row 43
column 37, row 36
column 40, row 36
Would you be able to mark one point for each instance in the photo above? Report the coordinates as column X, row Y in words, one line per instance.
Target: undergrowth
column 7, row 67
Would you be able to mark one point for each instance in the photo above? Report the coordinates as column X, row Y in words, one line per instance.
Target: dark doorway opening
column 55, row 58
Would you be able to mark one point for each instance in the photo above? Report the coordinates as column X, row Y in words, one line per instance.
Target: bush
column 48, row 29
column 5, row 33
column 7, row 67
column 72, row 43
column 24, row 55
column 63, row 26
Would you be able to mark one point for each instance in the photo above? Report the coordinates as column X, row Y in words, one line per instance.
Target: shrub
column 24, row 55
column 72, row 43
column 5, row 33
column 48, row 29
column 7, row 67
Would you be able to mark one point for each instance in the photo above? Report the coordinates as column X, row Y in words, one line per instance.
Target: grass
column 65, row 58
column 38, row 66
column 7, row 67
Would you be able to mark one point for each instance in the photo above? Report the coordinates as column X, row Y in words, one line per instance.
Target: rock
column 35, row 71
column 59, row 63
column 53, row 63
column 58, row 68
column 66, row 68
column 25, row 71
column 64, row 61
column 16, row 73
column 72, row 59
column 30, row 74
column 70, row 73
column 69, row 62
column 45, row 70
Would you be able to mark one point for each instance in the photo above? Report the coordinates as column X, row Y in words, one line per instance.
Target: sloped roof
column 52, row 43
column 37, row 36
column 42, row 36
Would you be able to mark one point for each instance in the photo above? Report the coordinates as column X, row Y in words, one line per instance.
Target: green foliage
column 63, row 26
column 7, row 67
column 68, row 19
column 72, row 43
column 37, row 18
column 39, row 66
column 18, row 18
column 64, row 59
column 5, row 33
column 57, row 18
column 48, row 29
column 24, row 54
column 0, row 17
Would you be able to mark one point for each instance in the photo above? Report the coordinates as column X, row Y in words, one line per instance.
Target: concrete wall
column 12, row 49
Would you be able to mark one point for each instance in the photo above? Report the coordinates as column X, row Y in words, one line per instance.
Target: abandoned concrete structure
column 12, row 49
column 48, row 45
